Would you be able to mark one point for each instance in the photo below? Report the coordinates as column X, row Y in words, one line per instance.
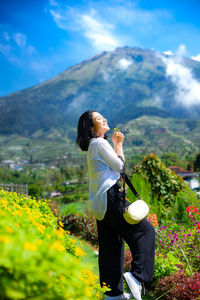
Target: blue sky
column 41, row 38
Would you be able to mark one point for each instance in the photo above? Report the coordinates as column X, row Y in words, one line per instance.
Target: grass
column 90, row 258
column 74, row 208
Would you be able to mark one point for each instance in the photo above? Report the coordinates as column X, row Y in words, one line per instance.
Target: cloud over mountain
column 187, row 87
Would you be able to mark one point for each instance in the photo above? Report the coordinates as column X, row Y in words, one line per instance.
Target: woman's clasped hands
column 118, row 137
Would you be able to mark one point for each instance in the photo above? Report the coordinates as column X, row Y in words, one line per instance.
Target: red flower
column 188, row 209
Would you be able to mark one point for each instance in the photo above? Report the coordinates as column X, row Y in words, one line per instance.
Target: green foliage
column 164, row 183
column 143, row 187
column 165, row 192
column 82, row 225
column 182, row 241
column 42, row 181
column 165, row 265
column 197, row 163
column 34, row 190
column 74, row 208
column 182, row 200
column 171, row 159
column 38, row 258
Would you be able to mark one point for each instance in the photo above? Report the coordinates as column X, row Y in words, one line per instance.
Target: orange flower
column 152, row 218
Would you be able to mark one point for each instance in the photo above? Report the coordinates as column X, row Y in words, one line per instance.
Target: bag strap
column 128, row 182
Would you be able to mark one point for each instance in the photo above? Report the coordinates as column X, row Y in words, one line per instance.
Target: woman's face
column 100, row 124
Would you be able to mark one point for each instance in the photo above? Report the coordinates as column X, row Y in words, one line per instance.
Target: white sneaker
column 124, row 296
column 134, row 285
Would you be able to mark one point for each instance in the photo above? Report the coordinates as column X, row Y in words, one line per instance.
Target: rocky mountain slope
column 123, row 85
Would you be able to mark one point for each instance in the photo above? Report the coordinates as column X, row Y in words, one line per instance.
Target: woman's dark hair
column 84, row 130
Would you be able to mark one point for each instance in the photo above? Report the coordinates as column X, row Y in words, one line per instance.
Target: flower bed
column 38, row 259
column 177, row 259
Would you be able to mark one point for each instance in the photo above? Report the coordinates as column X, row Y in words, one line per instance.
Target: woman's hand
column 117, row 138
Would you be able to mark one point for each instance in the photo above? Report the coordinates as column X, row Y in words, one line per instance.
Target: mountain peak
column 123, row 84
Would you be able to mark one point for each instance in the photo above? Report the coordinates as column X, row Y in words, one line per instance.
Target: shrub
column 127, row 260
column 38, row 259
column 179, row 286
column 165, row 192
column 182, row 200
column 183, row 242
column 164, row 183
column 165, row 265
column 85, row 226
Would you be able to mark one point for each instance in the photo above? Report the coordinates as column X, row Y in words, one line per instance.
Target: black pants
column 112, row 231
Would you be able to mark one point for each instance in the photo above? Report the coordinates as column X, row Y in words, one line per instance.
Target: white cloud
column 124, row 63
column 20, row 39
column 99, row 33
column 106, row 75
column 188, row 88
column 6, row 36
column 181, row 50
column 95, row 29
column 14, row 46
column 5, row 49
column 197, row 57
column 78, row 103
column 169, row 53
column 53, row 3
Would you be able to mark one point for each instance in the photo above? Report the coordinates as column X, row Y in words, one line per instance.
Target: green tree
column 35, row 190
column 164, row 183
column 197, row 163
column 170, row 159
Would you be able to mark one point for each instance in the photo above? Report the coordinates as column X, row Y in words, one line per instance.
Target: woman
column 105, row 165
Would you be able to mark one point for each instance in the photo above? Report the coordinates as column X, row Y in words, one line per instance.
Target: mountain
column 123, row 85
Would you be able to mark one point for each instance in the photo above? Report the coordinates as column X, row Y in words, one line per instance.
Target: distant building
column 55, row 194
column 11, row 164
column 192, row 178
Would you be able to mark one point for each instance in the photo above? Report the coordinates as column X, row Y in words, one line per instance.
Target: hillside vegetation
column 143, row 135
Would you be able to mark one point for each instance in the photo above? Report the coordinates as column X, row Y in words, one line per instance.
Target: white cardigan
column 104, row 170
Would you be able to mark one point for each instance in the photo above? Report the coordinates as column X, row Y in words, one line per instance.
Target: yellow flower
column 4, row 203
column 18, row 212
column 72, row 241
column 88, row 277
column 61, row 277
column 79, row 252
column 60, row 232
column 88, row 292
column 9, row 229
column 31, row 218
column 61, row 223
column 57, row 246
column 30, row 246
column 39, row 227
column 4, row 239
